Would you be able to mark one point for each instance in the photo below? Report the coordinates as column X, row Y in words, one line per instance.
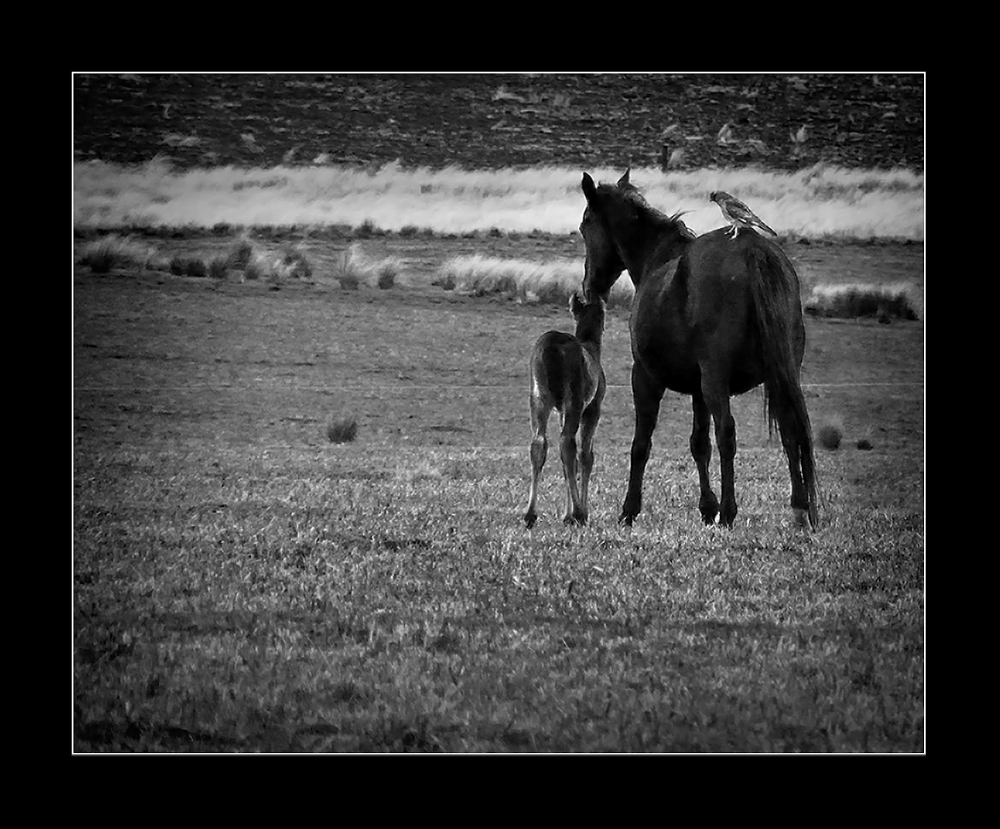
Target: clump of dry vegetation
column 522, row 280
column 342, row 430
column 255, row 261
column 855, row 299
column 355, row 268
column 121, row 252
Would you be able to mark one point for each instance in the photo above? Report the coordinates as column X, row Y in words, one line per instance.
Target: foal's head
column 589, row 318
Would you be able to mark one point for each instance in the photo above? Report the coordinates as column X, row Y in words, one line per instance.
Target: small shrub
column 240, row 253
column 367, row 229
column 830, row 434
column 386, row 272
column 342, row 430
column 195, row 267
column 409, row 230
column 296, row 264
column 218, row 267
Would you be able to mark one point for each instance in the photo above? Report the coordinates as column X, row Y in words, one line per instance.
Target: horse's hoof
column 575, row 520
column 529, row 520
column 800, row 518
column 626, row 519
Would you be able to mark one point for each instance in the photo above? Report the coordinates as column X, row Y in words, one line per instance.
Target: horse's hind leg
column 567, row 449
column 646, row 397
column 701, row 450
column 789, row 429
column 717, row 398
column 539, row 449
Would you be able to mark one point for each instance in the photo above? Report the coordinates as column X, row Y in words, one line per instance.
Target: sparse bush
column 342, row 430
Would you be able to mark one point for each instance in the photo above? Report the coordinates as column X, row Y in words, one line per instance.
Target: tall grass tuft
column 522, row 280
column 856, row 299
column 115, row 251
column 355, row 267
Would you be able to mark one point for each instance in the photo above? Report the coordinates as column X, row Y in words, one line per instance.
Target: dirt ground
column 777, row 121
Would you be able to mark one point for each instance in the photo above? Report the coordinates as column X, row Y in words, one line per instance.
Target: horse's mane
column 632, row 194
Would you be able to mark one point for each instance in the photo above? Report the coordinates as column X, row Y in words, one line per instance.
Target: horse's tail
column 774, row 297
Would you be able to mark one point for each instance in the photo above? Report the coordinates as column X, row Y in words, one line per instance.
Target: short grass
column 242, row 583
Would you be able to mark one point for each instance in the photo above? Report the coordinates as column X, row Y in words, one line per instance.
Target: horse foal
column 566, row 375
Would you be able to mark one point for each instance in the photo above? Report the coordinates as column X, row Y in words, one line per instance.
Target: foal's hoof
column 529, row 520
column 575, row 520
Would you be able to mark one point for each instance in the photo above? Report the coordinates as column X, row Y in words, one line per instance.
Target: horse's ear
column 575, row 304
column 624, row 178
column 589, row 188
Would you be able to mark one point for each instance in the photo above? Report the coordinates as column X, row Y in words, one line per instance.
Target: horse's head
column 604, row 263
column 621, row 230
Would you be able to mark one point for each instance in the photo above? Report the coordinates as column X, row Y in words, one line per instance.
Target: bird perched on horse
column 737, row 213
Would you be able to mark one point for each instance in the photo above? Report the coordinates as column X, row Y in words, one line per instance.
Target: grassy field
column 817, row 201
column 242, row 583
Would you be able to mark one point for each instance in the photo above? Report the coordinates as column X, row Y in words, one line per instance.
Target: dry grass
column 355, row 267
column 523, row 280
column 819, row 201
column 852, row 300
column 116, row 251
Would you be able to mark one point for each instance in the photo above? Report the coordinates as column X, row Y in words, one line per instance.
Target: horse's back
column 700, row 311
column 562, row 371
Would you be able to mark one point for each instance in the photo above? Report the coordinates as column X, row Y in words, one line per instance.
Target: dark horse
column 566, row 375
column 712, row 317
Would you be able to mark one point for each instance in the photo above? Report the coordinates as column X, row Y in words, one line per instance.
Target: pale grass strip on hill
column 819, row 201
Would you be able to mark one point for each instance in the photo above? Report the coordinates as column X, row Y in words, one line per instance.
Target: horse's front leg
column 646, row 397
column 701, row 450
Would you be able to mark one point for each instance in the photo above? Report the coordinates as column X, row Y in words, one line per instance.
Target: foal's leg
column 646, row 397
column 591, row 417
column 567, row 449
column 539, row 448
column 701, row 450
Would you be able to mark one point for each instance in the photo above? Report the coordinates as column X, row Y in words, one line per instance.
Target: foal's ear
column 624, row 178
column 589, row 188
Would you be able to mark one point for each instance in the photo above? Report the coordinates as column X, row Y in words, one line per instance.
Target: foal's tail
column 775, row 296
